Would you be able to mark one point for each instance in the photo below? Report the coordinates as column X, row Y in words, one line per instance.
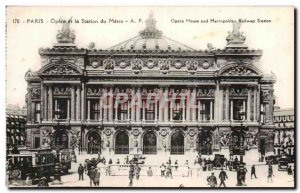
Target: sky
column 275, row 38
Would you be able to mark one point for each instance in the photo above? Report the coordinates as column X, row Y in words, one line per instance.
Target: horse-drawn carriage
column 138, row 159
column 219, row 161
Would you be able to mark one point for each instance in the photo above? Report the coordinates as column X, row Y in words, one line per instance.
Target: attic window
column 131, row 47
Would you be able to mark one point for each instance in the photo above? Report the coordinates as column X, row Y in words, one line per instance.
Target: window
column 177, row 110
column 239, row 109
column 61, row 108
column 123, row 111
column 205, row 110
column 150, row 112
column 95, row 109
column 37, row 112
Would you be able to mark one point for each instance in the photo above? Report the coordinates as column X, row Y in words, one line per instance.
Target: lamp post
column 57, row 168
column 242, row 150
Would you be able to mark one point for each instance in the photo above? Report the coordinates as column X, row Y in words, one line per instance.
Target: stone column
column 221, row 98
column 110, row 105
column 194, row 103
column 73, row 103
column 155, row 110
column 231, row 110
column 128, row 110
column 33, row 107
column 258, row 104
column 144, row 109
column 166, row 105
column 183, row 111
column 199, row 111
column 89, row 110
column 138, row 108
column 188, row 98
column 211, row 110
column 101, row 109
column 45, row 107
column 105, row 104
column 216, row 100
column 244, row 108
column 249, row 105
column 133, row 106
column 42, row 106
column 78, row 103
column 161, row 105
column 83, row 102
column 227, row 104
column 255, row 104
column 171, row 109
column 68, row 109
column 50, row 104
column 116, row 110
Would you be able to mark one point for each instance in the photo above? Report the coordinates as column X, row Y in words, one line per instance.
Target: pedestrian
column 187, row 162
column 131, row 174
column 270, row 174
column 176, row 165
column 212, row 180
column 222, row 176
column 43, row 182
column 162, row 169
column 169, row 171
column 91, row 174
column 190, row 171
column 127, row 159
column 137, row 170
column 170, row 161
column 199, row 160
column 107, row 171
column 289, row 170
column 243, row 173
column 80, row 171
column 110, row 161
column 96, row 179
column 118, row 161
column 150, row 172
column 253, row 172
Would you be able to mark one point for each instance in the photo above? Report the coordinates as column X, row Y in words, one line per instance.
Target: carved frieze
column 164, row 66
column 36, row 93
column 238, row 92
column 239, row 71
column 178, row 64
column 109, row 65
column 61, row 69
column 150, row 64
column 192, row 66
column 136, row 65
column 62, row 90
column 94, row 91
column 206, row 92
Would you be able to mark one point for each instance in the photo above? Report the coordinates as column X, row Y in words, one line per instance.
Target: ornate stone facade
column 78, row 92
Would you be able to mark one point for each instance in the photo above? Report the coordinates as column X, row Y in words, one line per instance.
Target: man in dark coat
column 131, row 174
column 253, row 171
column 80, row 171
column 91, row 174
column 223, row 176
column 212, row 180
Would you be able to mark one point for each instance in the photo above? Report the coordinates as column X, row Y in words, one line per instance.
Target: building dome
column 151, row 39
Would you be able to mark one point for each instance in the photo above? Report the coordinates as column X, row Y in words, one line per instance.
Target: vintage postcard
column 150, row 97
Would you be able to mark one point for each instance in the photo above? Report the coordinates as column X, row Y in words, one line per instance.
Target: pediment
column 60, row 68
column 239, row 70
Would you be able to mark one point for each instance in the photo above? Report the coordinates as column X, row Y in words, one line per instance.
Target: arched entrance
column 93, row 142
column 149, row 143
column 122, row 143
column 61, row 139
column 177, row 143
column 204, row 143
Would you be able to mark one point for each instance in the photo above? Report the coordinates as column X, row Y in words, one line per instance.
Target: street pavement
column 280, row 179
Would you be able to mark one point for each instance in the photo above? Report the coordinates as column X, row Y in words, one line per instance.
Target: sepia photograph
column 150, row 97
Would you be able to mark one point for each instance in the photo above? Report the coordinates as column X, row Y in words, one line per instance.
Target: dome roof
column 151, row 39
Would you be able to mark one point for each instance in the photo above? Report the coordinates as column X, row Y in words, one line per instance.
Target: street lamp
column 242, row 150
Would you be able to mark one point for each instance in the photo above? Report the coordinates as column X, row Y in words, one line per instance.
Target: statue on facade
column 65, row 35
column 236, row 36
